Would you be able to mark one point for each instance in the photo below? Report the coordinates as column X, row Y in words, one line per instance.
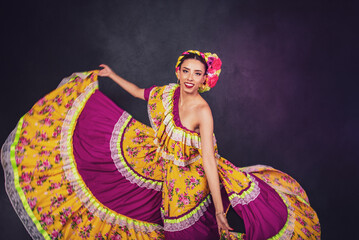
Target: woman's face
column 191, row 75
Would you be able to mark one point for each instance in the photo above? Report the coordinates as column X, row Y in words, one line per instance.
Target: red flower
column 212, row 81
column 216, row 64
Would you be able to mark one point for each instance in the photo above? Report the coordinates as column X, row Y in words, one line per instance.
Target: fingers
column 228, row 227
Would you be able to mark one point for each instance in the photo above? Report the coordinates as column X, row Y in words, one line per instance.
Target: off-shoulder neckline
column 175, row 110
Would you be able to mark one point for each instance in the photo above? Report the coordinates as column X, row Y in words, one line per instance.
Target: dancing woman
column 78, row 166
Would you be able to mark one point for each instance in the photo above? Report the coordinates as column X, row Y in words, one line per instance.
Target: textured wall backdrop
column 285, row 98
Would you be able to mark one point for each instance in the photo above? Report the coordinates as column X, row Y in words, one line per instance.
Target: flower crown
column 214, row 68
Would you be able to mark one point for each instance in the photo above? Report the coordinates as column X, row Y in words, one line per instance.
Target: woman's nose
column 190, row 77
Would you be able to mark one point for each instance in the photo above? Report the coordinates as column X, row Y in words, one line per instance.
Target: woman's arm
column 126, row 85
column 210, row 165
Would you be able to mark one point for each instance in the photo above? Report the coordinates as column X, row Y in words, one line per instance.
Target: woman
column 78, row 166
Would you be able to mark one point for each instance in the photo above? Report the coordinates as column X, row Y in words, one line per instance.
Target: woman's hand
column 222, row 223
column 106, row 71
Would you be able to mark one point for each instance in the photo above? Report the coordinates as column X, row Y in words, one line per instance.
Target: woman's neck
column 187, row 97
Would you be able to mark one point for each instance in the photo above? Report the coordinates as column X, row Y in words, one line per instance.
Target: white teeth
column 189, row 84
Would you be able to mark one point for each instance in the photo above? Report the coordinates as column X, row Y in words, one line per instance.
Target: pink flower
column 67, row 211
column 47, row 164
column 316, row 227
column 32, row 202
column 192, row 180
column 63, row 220
column 60, row 198
column 41, row 102
column 57, row 158
column 48, row 121
column 26, row 177
column 212, row 81
column 24, row 140
column 44, row 135
column 185, row 201
column 58, row 100
column 77, row 219
column 306, row 232
column 25, row 124
column 69, row 104
column 88, row 227
column 55, row 233
column 216, row 64
column 116, row 237
column 48, row 220
column 18, row 159
column 19, row 148
column 70, row 190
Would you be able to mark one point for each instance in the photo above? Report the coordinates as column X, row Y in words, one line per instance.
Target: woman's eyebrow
column 190, row 69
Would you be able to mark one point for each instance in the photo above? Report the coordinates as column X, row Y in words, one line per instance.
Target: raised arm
column 131, row 88
column 210, row 165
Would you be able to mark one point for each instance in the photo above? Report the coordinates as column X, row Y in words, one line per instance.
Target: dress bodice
column 175, row 142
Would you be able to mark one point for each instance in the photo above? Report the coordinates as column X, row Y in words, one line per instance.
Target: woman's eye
column 198, row 74
column 185, row 71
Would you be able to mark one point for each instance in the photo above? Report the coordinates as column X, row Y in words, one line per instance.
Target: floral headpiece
column 214, row 68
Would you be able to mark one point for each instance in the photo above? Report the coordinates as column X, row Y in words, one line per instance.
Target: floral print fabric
column 56, row 202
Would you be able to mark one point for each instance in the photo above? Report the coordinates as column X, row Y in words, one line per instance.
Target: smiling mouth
column 189, row 85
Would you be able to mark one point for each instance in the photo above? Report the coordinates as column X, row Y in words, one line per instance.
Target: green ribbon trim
column 285, row 227
column 122, row 159
column 79, row 179
column 246, row 192
column 17, row 183
column 178, row 220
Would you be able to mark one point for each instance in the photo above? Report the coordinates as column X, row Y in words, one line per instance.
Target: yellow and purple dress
column 77, row 166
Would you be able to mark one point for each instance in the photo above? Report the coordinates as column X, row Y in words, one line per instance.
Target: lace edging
column 247, row 196
column 82, row 192
column 174, row 225
column 11, row 191
column 172, row 131
column 119, row 160
column 286, row 232
column 179, row 162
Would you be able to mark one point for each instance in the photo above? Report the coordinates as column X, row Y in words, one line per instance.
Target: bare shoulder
column 204, row 112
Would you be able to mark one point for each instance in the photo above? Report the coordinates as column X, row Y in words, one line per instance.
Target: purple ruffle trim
column 147, row 92
column 206, row 226
column 175, row 111
column 93, row 159
column 265, row 216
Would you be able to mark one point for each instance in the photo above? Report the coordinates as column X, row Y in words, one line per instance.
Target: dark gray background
column 286, row 96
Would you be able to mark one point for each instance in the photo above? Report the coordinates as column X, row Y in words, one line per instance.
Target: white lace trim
column 77, row 183
column 180, row 163
column 288, row 233
column 11, row 190
column 249, row 197
column 197, row 213
column 119, row 160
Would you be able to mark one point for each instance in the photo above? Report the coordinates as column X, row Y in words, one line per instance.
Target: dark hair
column 196, row 57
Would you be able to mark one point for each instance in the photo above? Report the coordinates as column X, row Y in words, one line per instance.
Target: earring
column 178, row 81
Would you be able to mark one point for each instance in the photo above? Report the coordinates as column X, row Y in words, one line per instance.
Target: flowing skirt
column 77, row 166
